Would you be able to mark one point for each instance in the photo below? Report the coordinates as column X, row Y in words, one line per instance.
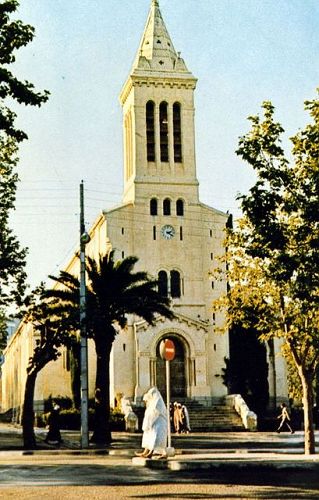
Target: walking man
column 285, row 419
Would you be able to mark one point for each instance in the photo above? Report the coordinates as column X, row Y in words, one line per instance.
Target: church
column 163, row 223
column 176, row 238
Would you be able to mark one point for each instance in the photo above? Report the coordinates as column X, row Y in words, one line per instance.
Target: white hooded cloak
column 155, row 422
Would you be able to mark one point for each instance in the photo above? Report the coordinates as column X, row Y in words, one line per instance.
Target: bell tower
column 158, row 118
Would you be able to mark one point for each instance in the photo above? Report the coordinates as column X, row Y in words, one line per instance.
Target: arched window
column 150, row 131
column 163, row 283
column 179, row 207
column 153, row 206
column 177, row 133
column 175, row 284
column 167, row 206
column 163, row 117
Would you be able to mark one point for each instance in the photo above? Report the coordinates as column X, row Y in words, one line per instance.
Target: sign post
column 167, row 352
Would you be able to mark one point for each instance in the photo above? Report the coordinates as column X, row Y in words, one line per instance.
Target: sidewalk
column 258, row 450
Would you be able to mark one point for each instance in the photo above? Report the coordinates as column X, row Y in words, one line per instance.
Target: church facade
column 161, row 221
column 176, row 238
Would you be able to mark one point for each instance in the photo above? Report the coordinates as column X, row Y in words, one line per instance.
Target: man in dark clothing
column 54, row 435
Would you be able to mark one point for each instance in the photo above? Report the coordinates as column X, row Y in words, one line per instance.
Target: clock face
column 168, row 232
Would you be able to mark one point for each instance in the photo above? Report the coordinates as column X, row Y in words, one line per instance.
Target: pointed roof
column 156, row 52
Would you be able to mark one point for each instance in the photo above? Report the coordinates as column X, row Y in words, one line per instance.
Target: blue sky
column 242, row 52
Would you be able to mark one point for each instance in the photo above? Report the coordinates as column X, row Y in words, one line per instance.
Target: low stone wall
column 249, row 418
column 131, row 420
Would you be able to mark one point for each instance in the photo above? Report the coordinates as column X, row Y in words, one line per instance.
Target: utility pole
column 84, row 239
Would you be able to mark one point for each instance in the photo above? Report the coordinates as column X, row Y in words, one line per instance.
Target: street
column 106, row 476
column 209, row 465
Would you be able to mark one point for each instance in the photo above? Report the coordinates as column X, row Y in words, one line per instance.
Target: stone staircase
column 215, row 418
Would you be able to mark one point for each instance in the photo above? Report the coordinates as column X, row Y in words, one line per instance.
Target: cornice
column 161, row 81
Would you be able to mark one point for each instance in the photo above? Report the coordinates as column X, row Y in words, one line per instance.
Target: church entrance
column 177, row 371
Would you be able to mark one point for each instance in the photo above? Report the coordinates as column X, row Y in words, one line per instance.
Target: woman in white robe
column 154, row 424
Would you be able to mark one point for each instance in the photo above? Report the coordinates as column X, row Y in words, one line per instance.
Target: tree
column 3, row 331
column 245, row 349
column 273, row 253
column 14, row 35
column 113, row 291
column 12, row 257
column 49, row 335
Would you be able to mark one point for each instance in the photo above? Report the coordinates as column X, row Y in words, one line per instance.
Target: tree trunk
column 102, row 429
column 307, row 400
column 75, row 371
column 29, row 441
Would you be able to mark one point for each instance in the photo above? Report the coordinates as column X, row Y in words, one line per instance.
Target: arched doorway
column 177, row 370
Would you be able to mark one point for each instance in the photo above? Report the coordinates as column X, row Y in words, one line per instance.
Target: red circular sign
column 167, row 350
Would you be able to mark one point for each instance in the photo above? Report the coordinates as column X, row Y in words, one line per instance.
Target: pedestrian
column 154, row 425
column 97, row 415
column 54, row 435
column 171, row 416
column 285, row 419
column 185, row 419
column 178, row 418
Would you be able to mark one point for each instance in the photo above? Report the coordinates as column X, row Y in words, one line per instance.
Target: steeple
column 158, row 118
column 156, row 51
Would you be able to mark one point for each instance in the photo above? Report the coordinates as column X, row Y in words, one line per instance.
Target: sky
column 243, row 52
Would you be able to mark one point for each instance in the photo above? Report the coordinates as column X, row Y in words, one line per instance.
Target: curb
column 230, row 463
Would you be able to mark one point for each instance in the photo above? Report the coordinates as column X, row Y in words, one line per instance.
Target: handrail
column 248, row 417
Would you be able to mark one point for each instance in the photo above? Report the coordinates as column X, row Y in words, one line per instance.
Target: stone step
column 216, row 418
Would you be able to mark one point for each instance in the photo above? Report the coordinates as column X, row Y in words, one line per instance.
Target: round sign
column 167, row 350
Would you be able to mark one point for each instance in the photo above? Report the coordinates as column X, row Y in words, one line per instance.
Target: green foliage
column 12, row 257
column 50, row 332
column 114, row 290
column 64, row 402
column 3, row 330
column 70, row 419
column 14, row 35
column 246, row 370
column 273, row 252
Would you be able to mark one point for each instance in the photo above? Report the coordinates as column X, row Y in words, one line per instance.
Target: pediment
column 199, row 324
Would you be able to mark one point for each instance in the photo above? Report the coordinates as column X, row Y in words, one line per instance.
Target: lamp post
column 84, row 239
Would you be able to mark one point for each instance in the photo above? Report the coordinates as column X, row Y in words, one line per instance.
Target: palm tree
column 113, row 291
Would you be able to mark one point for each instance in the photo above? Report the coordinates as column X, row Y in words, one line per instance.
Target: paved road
column 71, row 474
column 94, row 477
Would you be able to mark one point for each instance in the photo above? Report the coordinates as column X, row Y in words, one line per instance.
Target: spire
column 156, row 51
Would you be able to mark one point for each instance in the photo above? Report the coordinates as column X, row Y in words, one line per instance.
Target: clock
column 168, row 232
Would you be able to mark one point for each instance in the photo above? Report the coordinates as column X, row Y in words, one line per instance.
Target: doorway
column 177, row 370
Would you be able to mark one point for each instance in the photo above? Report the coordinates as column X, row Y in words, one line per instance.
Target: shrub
column 70, row 419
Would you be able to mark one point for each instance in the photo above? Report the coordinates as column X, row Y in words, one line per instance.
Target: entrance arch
column 177, row 370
